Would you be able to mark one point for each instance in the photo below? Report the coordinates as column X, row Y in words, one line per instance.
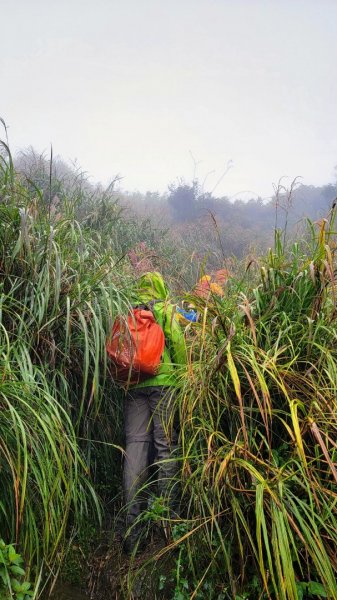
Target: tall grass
column 258, row 432
column 257, row 409
column 60, row 288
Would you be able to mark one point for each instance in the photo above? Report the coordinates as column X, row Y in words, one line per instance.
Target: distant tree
column 329, row 193
column 183, row 201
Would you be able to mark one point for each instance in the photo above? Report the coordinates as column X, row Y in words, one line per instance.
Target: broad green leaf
column 316, row 589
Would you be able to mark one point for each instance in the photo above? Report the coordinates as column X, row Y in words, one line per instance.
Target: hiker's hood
column 151, row 286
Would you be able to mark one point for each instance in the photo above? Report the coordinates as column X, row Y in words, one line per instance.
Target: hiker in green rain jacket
column 149, row 421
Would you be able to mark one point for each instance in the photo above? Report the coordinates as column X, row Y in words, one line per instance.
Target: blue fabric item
column 191, row 315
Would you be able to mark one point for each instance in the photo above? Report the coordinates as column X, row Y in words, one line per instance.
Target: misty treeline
column 186, row 217
column 241, row 226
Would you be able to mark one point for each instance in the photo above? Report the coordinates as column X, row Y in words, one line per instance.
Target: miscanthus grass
column 258, row 418
column 59, row 291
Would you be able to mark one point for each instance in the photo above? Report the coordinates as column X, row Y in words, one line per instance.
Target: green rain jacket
column 151, row 286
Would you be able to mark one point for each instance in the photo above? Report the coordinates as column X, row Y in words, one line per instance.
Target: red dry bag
column 135, row 346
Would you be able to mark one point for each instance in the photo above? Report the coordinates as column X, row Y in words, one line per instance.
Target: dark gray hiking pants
column 149, row 430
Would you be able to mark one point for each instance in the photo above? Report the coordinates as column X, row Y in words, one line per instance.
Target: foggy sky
column 135, row 86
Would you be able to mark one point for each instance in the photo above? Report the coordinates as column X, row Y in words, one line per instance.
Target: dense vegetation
column 257, row 410
column 59, row 291
column 258, row 418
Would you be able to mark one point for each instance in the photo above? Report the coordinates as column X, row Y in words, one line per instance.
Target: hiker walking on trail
column 149, row 419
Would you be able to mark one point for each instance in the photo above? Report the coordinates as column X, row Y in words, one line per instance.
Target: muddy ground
column 113, row 575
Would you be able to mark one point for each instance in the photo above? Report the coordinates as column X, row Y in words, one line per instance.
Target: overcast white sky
column 134, row 86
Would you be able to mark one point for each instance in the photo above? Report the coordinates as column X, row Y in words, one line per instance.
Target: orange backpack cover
column 135, row 346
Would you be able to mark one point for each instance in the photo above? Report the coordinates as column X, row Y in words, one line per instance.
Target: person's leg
column 138, row 434
column 165, row 438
